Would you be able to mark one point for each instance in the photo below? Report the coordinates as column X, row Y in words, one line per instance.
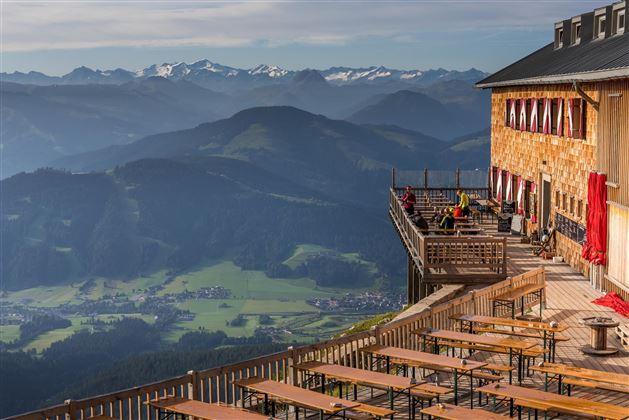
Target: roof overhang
column 592, row 76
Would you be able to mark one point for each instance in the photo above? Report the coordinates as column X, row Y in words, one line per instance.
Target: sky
column 55, row 37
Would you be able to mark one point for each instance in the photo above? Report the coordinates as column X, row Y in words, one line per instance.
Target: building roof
column 598, row 59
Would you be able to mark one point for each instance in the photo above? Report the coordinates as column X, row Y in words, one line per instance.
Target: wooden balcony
column 436, row 259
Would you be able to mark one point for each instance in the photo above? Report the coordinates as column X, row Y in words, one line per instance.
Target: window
column 559, row 35
column 557, row 117
column 564, row 202
column 540, row 115
column 517, row 114
column 600, row 26
column 619, row 19
column 576, row 31
column 557, row 199
column 572, row 209
column 507, row 110
column 580, row 209
column 576, row 118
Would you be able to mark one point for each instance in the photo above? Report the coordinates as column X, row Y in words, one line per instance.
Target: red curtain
column 596, row 246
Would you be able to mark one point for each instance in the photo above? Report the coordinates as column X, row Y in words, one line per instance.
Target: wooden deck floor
column 569, row 297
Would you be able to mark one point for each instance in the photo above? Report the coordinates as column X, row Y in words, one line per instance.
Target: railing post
column 375, row 330
column 425, row 178
column 193, row 385
column 458, row 178
column 474, row 302
column 70, row 409
column 393, row 178
column 292, row 372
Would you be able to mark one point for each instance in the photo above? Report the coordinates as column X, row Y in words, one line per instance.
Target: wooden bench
column 371, row 410
column 518, row 333
column 494, row 367
column 508, row 298
column 594, row 385
column 454, row 412
column 531, row 352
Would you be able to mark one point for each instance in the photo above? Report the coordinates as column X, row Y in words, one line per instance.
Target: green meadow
column 253, row 293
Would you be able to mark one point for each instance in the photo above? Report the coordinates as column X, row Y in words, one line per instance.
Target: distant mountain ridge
column 220, row 77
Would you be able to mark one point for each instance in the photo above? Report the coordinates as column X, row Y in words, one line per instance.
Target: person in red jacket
column 409, row 200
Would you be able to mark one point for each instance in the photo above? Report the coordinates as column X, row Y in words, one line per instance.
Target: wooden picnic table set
column 272, row 392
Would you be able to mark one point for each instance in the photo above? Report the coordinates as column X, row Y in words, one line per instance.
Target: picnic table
column 548, row 332
column 206, row 411
column 455, row 412
column 553, row 401
column 325, row 405
column 585, row 377
column 508, row 298
column 394, row 384
column 378, row 352
column 479, row 340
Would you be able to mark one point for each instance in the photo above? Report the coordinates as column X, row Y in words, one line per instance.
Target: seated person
column 447, row 222
column 420, row 222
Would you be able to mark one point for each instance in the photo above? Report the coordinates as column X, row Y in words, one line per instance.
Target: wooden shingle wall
column 568, row 161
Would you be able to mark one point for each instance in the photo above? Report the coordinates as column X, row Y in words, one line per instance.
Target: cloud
column 32, row 26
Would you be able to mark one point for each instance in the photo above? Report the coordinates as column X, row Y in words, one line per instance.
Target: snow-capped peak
column 271, row 71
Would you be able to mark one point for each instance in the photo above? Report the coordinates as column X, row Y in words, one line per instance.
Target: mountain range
column 224, row 78
column 44, row 123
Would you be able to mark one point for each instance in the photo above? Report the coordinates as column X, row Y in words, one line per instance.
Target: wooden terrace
column 469, row 255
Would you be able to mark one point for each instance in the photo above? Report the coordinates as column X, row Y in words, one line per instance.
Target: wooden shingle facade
column 557, row 115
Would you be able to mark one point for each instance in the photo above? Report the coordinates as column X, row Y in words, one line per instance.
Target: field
column 253, row 294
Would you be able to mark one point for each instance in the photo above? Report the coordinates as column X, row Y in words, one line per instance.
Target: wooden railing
column 442, row 252
column 218, row 384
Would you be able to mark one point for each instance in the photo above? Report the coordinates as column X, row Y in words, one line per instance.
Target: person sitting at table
column 447, row 222
column 420, row 222
column 464, row 202
column 409, row 200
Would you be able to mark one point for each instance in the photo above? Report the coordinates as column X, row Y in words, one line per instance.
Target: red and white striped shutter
column 512, row 114
column 520, row 195
column 509, row 187
column 499, row 186
column 533, row 118
column 570, row 117
column 522, row 114
column 547, row 115
column 559, row 116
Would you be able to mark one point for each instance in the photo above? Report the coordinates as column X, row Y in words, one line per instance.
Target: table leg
column 391, row 401
column 388, row 363
column 545, row 381
column 510, row 365
column 471, row 388
column 355, row 392
column 266, row 404
column 456, row 386
column 522, row 306
column 323, row 384
column 541, row 300
column 545, row 334
column 559, row 390
column 520, row 366
column 512, row 304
